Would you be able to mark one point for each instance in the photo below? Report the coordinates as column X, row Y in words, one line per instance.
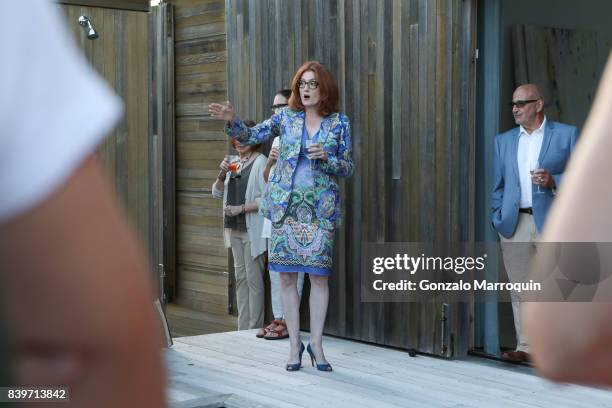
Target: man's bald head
column 528, row 107
column 531, row 90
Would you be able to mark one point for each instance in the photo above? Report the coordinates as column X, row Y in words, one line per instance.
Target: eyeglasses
column 312, row 84
column 521, row 104
column 277, row 106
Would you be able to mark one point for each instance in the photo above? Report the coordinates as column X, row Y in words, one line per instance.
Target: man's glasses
column 277, row 106
column 521, row 104
column 312, row 84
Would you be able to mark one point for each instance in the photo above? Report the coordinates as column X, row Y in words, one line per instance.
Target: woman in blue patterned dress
column 303, row 197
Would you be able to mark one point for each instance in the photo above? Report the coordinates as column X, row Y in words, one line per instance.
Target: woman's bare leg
column 291, row 307
column 319, row 298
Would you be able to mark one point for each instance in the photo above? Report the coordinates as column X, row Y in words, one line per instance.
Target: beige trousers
column 517, row 258
column 249, row 282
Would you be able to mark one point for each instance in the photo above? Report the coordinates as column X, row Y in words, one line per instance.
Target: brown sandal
column 264, row 330
column 278, row 332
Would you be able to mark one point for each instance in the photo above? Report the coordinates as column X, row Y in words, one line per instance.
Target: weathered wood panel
column 200, row 78
column 121, row 56
column 163, row 130
column 566, row 64
column 406, row 78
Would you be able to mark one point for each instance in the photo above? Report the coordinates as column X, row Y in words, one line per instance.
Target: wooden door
column 121, row 55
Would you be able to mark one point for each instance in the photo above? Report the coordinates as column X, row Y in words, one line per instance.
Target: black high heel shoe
column 297, row 366
column 313, row 361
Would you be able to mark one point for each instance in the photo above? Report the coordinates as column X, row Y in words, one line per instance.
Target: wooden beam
column 134, row 5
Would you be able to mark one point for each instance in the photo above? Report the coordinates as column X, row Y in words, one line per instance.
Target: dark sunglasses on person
column 521, row 104
column 312, row 84
column 277, row 107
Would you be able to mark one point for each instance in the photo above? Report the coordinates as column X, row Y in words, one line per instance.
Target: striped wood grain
column 406, row 77
column 121, row 57
column 200, row 78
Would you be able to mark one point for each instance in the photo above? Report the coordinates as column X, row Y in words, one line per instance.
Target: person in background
column 277, row 329
column 572, row 341
column 528, row 165
column 74, row 281
column 303, row 196
column 241, row 189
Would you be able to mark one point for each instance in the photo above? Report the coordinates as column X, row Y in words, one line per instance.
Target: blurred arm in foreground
column 74, row 284
column 78, row 298
column 571, row 341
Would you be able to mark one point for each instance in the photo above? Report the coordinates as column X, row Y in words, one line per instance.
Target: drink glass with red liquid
column 234, row 166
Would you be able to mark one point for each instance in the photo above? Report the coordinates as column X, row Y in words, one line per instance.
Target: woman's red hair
column 328, row 89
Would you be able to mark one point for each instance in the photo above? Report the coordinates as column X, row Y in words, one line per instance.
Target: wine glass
column 309, row 143
column 535, row 166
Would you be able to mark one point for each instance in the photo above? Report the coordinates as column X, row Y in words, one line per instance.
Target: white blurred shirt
column 54, row 108
column 529, row 147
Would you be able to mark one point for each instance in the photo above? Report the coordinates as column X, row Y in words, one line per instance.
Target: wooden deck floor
column 235, row 369
column 187, row 322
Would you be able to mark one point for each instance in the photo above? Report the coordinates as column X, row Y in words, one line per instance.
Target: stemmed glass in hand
column 535, row 166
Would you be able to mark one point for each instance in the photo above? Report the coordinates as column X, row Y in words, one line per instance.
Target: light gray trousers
column 249, row 282
column 518, row 251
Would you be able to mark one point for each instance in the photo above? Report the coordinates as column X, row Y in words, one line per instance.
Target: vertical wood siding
column 566, row 64
column 200, row 78
column 121, row 57
column 406, row 82
column 163, row 130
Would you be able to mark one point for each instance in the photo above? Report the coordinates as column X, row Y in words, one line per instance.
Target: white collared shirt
column 529, row 147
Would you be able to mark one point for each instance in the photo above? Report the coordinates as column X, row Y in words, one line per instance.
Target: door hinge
column 443, row 329
column 162, row 282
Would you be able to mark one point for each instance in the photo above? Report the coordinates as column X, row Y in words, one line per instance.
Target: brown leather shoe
column 516, row 356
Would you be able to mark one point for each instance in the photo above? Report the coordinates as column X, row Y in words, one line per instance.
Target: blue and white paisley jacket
column 334, row 136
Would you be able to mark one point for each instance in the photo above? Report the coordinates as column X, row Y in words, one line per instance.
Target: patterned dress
column 298, row 241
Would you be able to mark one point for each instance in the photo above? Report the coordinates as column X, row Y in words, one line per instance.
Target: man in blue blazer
column 529, row 162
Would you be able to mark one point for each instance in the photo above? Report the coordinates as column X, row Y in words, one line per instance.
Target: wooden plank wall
column 567, row 64
column 405, row 73
column 120, row 55
column 200, row 78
